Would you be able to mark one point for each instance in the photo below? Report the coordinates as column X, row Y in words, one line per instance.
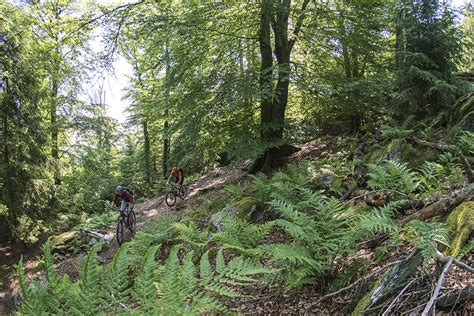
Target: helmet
column 119, row 190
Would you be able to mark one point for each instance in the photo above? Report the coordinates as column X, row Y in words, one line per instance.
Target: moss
column 461, row 222
column 249, row 207
column 391, row 151
column 364, row 301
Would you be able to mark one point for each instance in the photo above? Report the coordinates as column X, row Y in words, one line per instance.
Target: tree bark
column 400, row 39
column 166, row 147
column 148, row 170
column 166, row 137
column 441, row 207
column 273, row 101
column 391, row 283
column 55, row 130
column 6, row 107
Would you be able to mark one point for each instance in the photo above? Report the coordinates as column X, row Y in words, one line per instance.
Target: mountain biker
column 177, row 175
column 126, row 195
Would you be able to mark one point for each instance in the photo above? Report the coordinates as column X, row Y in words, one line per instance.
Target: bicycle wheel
column 182, row 192
column 119, row 233
column 132, row 221
column 170, row 198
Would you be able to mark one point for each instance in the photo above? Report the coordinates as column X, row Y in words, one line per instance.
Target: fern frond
column 144, row 290
column 426, row 237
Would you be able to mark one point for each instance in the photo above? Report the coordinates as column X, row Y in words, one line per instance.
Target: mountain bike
column 176, row 190
column 126, row 220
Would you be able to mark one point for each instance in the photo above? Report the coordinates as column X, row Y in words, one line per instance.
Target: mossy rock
column 414, row 156
column 64, row 241
column 249, row 208
column 365, row 300
column 391, row 151
column 461, row 221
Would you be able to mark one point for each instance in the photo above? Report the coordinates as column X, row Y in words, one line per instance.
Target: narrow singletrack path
column 148, row 211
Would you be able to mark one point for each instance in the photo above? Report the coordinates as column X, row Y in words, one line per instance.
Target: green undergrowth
column 304, row 235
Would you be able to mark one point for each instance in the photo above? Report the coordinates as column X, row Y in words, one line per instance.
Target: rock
column 250, row 209
column 216, row 221
column 216, row 218
column 392, row 151
column 461, row 222
column 64, row 241
column 92, row 242
column 108, row 238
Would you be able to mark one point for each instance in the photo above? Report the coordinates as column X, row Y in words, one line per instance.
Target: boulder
column 216, row 218
column 391, row 151
column 250, row 209
column 75, row 241
column 64, row 241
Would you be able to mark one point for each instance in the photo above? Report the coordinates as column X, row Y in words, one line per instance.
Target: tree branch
column 438, row 288
column 299, row 24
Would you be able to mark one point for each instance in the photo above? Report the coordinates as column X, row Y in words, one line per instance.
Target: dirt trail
column 146, row 212
column 155, row 208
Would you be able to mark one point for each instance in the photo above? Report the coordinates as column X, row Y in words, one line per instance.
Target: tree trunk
column 400, row 39
column 389, row 284
column 441, row 207
column 166, row 136
column 166, row 147
column 5, row 107
column 266, row 71
column 275, row 15
column 148, row 171
column 55, row 130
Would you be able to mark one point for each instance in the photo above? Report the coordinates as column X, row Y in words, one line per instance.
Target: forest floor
column 261, row 299
column 146, row 212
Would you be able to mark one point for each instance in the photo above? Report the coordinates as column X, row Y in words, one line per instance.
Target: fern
column 242, row 236
column 318, row 234
column 393, row 176
column 426, row 237
column 144, row 290
column 90, row 282
column 466, row 142
column 378, row 220
column 116, row 281
column 236, row 190
column 435, row 176
column 190, row 236
column 390, row 132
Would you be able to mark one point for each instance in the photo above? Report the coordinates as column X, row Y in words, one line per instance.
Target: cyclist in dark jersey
column 126, row 195
column 177, row 176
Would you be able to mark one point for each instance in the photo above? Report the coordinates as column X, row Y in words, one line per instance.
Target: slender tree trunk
column 166, row 136
column 6, row 132
column 148, row 171
column 400, row 39
column 266, row 71
column 55, row 130
column 166, row 148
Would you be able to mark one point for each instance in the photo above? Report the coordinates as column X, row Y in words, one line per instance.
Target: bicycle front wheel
column 119, row 232
column 132, row 221
column 182, row 192
column 170, row 198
